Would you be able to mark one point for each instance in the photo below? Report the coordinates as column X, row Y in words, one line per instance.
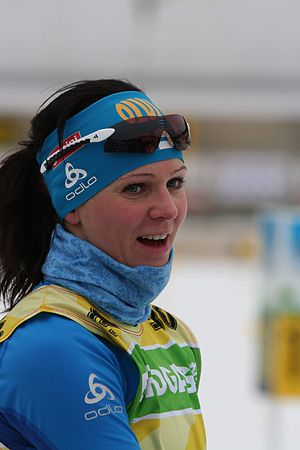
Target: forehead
column 160, row 168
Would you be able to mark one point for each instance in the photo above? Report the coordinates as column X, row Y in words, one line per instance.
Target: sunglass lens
column 142, row 134
column 141, row 144
column 178, row 131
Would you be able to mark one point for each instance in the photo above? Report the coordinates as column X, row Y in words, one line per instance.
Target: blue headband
column 80, row 175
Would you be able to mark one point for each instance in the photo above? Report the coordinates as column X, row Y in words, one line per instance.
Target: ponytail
column 26, row 224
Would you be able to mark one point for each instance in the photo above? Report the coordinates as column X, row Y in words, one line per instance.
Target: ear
column 73, row 217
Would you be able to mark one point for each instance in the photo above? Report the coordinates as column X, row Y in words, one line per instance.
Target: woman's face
column 136, row 218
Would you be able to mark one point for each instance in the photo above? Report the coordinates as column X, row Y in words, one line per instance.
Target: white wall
column 221, row 57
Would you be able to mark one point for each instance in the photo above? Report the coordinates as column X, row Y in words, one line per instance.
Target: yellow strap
column 53, row 299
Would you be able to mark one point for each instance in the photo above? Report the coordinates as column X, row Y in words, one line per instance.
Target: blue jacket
column 49, row 360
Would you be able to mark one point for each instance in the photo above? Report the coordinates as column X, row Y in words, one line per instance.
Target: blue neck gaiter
column 121, row 291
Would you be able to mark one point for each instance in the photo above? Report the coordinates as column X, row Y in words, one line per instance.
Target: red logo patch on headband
column 68, row 140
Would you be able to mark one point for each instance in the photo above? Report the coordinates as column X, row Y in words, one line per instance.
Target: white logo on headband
column 73, row 175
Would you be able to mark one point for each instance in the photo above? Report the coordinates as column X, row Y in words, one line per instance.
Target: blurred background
column 233, row 68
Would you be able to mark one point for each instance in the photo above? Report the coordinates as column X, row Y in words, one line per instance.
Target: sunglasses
column 142, row 134
column 138, row 135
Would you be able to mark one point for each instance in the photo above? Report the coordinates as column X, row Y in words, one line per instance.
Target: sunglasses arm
column 96, row 136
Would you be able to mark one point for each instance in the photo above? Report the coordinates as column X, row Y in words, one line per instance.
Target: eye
column 133, row 189
column 176, row 183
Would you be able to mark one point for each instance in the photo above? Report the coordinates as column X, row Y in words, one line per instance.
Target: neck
column 121, row 291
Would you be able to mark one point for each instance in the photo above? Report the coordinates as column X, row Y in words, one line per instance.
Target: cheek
column 182, row 207
column 122, row 219
column 97, row 220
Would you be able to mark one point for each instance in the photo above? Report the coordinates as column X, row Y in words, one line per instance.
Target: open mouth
column 153, row 241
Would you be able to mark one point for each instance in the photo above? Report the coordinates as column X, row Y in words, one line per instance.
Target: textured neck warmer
column 121, row 291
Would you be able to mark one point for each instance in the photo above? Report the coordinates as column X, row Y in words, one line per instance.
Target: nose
column 164, row 206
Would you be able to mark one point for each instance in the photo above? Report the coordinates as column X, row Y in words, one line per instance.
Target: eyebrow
column 145, row 174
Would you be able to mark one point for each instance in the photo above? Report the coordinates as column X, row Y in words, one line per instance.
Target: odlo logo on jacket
column 97, row 393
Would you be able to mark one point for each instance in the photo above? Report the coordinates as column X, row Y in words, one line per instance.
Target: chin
column 154, row 263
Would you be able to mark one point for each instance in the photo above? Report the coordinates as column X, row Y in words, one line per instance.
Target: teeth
column 156, row 237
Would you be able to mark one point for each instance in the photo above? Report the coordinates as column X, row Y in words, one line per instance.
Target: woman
column 90, row 207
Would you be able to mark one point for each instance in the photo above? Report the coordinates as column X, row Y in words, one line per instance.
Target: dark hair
column 27, row 214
